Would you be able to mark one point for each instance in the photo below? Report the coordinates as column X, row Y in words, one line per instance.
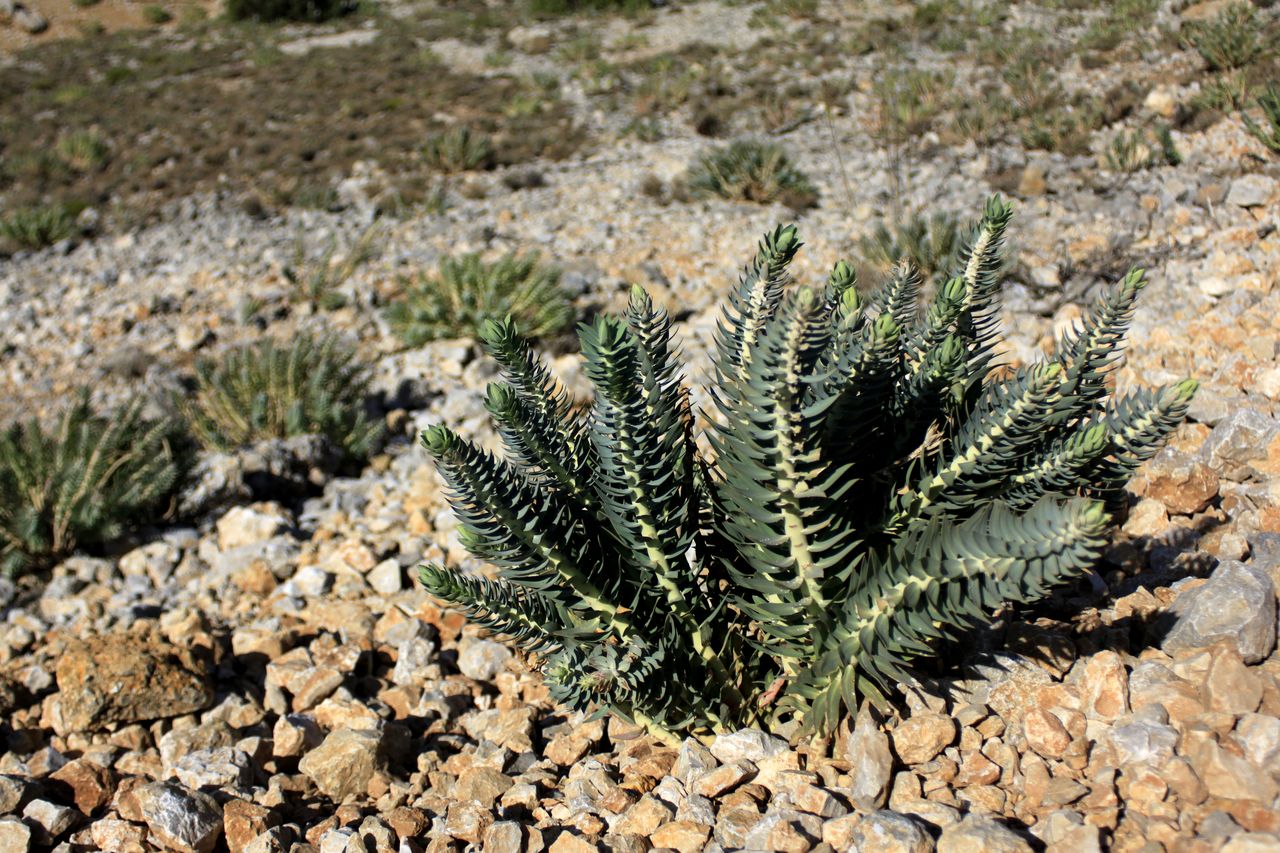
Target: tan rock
column 345, row 763
column 981, row 835
column 481, row 785
column 1183, row 484
column 572, row 843
column 918, row 739
column 243, row 821
column 1231, row 776
column 1231, row 686
column 684, row 836
column 123, row 678
column 92, row 785
column 817, row 801
column 1106, row 687
column 644, row 817
column 1045, row 733
column 470, row 821
column 724, row 778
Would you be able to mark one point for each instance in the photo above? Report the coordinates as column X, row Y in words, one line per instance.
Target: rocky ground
column 265, row 676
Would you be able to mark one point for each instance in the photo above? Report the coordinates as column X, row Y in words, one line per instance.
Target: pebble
column 483, row 659
column 345, row 763
column 182, row 820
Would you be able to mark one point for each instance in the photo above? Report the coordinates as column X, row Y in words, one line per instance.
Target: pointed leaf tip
column 437, row 439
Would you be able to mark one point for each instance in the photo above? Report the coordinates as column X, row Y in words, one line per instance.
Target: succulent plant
column 877, row 485
column 83, row 483
column 311, row 386
column 754, row 171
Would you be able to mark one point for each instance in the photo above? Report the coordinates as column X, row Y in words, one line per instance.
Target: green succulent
column 876, row 487
column 754, row 171
column 1268, row 133
column 311, row 386
column 84, row 483
column 466, row 291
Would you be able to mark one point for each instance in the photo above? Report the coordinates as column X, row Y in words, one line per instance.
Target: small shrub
column 309, row 387
column 459, row 149
column 550, row 8
column 1231, row 39
column 1136, row 150
column 156, row 15
column 1267, row 133
column 749, row 170
column 932, row 243
column 37, row 227
column 82, row 150
column 318, row 283
column 84, row 483
column 306, row 11
column 878, row 490
column 467, row 291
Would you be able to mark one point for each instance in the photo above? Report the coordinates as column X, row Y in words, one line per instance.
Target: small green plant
column 932, row 243
column 84, row 483
column 754, row 171
column 1269, row 132
column 156, row 15
column 311, row 386
column 82, row 150
column 459, row 149
column 879, row 487
column 466, row 291
column 1136, row 150
column 37, row 227
column 306, row 11
column 318, row 283
column 1231, row 39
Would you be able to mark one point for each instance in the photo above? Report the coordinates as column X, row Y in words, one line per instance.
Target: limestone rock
column 977, row 834
column 345, row 763
column 180, row 819
column 889, row 832
column 920, row 737
column 483, row 659
column 1236, row 605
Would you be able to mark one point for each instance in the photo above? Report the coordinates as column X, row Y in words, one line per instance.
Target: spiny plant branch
column 876, row 489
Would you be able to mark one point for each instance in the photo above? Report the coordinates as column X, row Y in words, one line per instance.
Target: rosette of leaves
column 466, row 291
column 754, row 171
column 83, row 483
column 877, row 486
column 312, row 386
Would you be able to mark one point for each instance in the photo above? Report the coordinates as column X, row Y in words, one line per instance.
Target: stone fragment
column 644, row 817
column 889, row 832
column 1236, row 605
column 1183, row 484
column 243, row 821
column 750, row 744
column 817, row 801
column 505, row 836
column 1259, row 734
column 975, row 834
column 1140, row 741
column 483, row 659
column 249, row 525
column 13, row 791
column 182, row 820
column 724, row 778
column 91, row 784
column 1252, row 190
column 1045, row 733
column 692, row 761
column 1239, row 438
column 118, row 836
column 1105, row 685
column 123, row 678
column 15, row 836
column 1252, row 842
column 386, row 578
column 294, row 734
column 1231, row 776
column 571, row 842
column 51, row 820
column 785, row 831
column 569, row 746
column 684, row 836
column 919, row 738
column 482, row 785
column 1231, row 686
column 344, row 764
column 221, row 767
column 870, row 762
